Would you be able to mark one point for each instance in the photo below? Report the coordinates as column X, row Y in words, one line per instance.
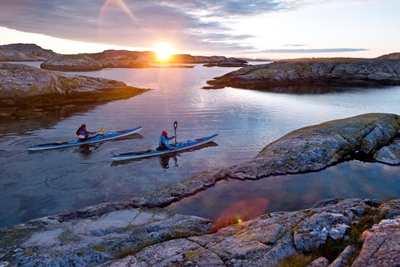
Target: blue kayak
column 97, row 138
column 154, row 152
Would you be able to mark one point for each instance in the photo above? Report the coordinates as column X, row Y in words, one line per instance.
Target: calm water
column 35, row 184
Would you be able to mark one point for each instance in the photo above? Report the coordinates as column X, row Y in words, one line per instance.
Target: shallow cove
column 36, row 184
column 247, row 199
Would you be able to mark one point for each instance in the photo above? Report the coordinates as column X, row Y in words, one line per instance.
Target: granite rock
column 140, row 237
column 390, row 56
column 310, row 72
column 25, row 52
column 24, row 88
column 131, row 59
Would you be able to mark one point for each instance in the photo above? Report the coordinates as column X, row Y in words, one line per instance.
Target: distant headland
column 108, row 59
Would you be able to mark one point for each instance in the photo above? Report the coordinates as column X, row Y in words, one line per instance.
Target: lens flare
column 241, row 211
column 106, row 20
column 163, row 51
column 121, row 4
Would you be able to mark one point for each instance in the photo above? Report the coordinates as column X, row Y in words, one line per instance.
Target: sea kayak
column 97, row 138
column 154, row 152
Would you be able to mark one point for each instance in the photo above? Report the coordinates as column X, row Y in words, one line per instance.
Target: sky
column 264, row 29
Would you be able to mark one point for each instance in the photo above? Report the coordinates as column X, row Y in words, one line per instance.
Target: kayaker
column 83, row 134
column 163, row 143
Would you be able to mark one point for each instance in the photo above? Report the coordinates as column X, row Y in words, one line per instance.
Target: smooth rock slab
column 178, row 252
column 381, row 246
column 389, row 154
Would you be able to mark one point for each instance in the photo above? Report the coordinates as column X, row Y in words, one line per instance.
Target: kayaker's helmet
column 164, row 133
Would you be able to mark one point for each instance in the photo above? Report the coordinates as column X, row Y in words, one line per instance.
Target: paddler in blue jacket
column 83, row 134
column 163, row 143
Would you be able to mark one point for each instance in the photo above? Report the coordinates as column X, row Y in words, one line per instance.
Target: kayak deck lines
column 154, row 152
column 97, row 138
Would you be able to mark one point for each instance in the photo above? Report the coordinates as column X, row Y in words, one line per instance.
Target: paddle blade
column 175, row 126
column 102, row 130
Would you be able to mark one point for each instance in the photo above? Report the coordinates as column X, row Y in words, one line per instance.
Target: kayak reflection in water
column 164, row 161
column 83, row 134
column 85, row 149
column 163, row 143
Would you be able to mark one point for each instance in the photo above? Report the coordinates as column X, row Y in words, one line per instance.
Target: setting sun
column 164, row 51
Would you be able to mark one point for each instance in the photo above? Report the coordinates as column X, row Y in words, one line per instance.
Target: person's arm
column 167, row 144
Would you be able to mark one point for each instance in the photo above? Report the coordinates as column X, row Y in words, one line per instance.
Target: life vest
column 81, row 133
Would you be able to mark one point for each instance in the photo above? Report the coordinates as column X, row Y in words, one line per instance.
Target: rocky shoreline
column 108, row 59
column 131, row 59
column 349, row 232
column 138, row 232
column 25, row 52
column 27, row 91
column 284, row 74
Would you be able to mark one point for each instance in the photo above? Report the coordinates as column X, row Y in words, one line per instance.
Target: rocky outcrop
column 96, row 61
column 381, row 243
column 324, row 71
column 213, row 61
column 328, row 234
column 390, row 56
column 27, row 87
column 218, row 60
column 107, row 59
column 24, row 52
column 389, row 154
column 72, row 63
column 231, row 62
column 130, row 59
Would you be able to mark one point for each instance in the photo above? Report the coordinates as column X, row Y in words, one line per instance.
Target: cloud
column 321, row 50
column 191, row 24
column 294, row 45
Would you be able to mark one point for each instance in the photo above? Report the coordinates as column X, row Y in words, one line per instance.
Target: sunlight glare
column 163, row 51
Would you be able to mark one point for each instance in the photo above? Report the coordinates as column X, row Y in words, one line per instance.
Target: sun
column 164, row 51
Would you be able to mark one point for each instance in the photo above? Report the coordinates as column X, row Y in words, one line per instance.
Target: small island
column 293, row 75
column 29, row 91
